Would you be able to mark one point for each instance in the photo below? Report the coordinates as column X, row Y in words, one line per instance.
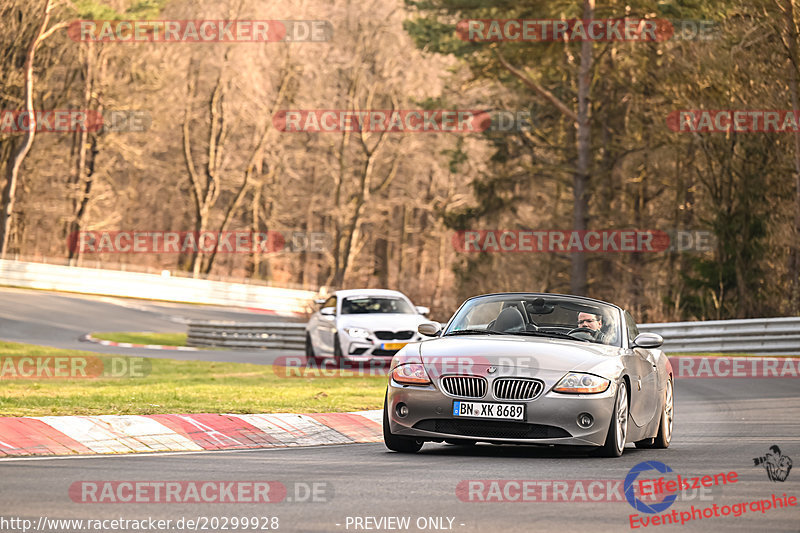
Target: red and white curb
column 108, row 434
column 89, row 338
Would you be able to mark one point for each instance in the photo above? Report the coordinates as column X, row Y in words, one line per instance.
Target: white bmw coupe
column 362, row 324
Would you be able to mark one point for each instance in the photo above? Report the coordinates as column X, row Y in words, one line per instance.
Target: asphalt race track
column 721, row 426
column 60, row 320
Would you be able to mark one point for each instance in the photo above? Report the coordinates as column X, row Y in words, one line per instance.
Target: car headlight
column 411, row 374
column 357, row 333
column 578, row 383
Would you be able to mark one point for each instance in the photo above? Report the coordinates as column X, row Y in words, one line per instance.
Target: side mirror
column 430, row 329
column 648, row 340
column 421, row 309
column 328, row 311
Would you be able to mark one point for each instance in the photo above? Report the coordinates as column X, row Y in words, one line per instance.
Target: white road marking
column 168, row 454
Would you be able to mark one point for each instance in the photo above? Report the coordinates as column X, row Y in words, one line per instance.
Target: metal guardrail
column 285, row 336
column 757, row 336
column 760, row 336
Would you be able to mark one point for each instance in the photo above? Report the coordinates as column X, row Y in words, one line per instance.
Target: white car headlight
column 578, row 383
column 357, row 333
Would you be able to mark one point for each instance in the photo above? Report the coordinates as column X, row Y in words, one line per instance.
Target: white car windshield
column 372, row 304
column 535, row 315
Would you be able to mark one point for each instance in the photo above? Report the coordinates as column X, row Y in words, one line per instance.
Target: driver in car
column 592, row 322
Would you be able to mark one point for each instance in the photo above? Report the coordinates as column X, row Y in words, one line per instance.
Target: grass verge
column 172, row 386
column 164, row 339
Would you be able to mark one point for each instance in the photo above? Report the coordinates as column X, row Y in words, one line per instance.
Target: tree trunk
column 83, row 176
column 9, row 192
column 580, row 181
column 401, row 246
column 353, row 234
column 253, row 265
column 794, row 63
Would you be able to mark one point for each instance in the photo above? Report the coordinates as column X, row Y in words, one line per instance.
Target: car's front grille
column 491, row 429
column 394, row 335
column 464, row 386
column 517, row 388
column 358, row 351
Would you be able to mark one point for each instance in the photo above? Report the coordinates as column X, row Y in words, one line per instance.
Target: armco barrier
column 757, row 336
column 762, row 336
column 284, row 336
column 289, row 302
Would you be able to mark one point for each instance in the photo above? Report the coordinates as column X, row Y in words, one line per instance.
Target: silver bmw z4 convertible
column 528, row 368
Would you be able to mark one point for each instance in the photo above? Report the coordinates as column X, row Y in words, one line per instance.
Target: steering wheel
column 592, row 332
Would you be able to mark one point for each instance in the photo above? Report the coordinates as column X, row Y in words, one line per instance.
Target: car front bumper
column 551, row 418
column 370, row 349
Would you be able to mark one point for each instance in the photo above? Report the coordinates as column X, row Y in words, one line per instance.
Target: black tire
column 664, row 436
column 618, row 428
column 337, row 351
column 311, row 358
column 397, row 443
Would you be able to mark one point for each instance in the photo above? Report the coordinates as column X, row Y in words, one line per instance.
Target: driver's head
column 589, row 320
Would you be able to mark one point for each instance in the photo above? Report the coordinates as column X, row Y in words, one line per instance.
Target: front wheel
column 397, row 443
column 311, row 358
column 664, row 436
column 618, row 428
column 338, row 358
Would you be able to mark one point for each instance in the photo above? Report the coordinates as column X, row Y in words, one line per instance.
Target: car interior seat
column 609, row 331
column 509, row 320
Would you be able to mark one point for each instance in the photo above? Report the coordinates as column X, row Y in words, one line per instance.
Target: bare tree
column 789, row 37
column 583, row 139
column 14, row 166
column 85, row 143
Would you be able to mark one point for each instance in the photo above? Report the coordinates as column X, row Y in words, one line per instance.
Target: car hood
column 536, row 356
column 382, row 321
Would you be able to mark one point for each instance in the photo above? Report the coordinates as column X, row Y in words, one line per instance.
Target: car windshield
column 539, row 315
column 371, row 304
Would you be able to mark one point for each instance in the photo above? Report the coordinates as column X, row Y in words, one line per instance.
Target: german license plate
column 502, row 411
column 393, row 345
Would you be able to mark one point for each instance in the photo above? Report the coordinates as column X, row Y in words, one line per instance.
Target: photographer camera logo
column 777, row 465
